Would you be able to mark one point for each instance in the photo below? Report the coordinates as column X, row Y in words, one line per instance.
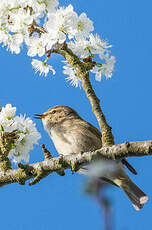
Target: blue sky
column 59, row 202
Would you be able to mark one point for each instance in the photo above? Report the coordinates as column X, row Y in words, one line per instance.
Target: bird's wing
column 88, row 127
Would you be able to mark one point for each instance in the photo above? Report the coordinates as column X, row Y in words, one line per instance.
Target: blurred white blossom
column 102, row 168
column 26, row 130
column 51, row 5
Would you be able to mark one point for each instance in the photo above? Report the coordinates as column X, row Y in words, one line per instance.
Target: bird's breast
column 64, row 143
column 74, row 136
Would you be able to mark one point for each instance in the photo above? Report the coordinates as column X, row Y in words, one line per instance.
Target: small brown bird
column 71, row 135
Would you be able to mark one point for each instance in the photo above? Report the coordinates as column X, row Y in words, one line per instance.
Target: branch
column 42, row 169
column 7, row 140
column 34, row 28
column 82, row 73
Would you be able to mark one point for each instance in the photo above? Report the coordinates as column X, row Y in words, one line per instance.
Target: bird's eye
column 54, row 111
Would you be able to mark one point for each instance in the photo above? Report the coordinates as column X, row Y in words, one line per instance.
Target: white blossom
column 26, row 131
column 74, row 80
column 80, row 47
column 19, row 21
column 4, row 37
column 98, row 46
column 51, row 5
column 109, row 66
column 15, row 18
column 38, row 7
column 15, row 42
column 36, row 46
column 42, row 67
column 61, row 24
column 8, row 112
column 55, row 28
column 105, row 69
column 28, row 136
column 92, row 45
column 84, row 26
column 6, row 118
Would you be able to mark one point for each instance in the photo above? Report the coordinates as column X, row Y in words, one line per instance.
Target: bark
column 42, row 169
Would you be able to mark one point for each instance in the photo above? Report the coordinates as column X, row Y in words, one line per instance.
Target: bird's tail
column 113, row 173
column 135, row 194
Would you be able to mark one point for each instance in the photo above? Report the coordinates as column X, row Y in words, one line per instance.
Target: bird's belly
column 65, row 146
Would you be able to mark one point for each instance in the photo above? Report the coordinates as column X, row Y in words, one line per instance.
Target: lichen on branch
column 6, row 141
column 42, row 169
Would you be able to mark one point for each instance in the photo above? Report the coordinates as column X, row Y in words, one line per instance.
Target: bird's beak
column 38, row 116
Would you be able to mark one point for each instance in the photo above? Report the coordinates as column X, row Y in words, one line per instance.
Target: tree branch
column 42, row 169
column 82, row 73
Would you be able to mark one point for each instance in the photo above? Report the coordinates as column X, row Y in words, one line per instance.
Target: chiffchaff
column 71, row 135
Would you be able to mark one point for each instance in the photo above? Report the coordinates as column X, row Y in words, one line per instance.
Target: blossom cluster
column 26, row 131
column 61, row 24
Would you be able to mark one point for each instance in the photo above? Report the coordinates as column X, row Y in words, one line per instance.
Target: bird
column 71, row 135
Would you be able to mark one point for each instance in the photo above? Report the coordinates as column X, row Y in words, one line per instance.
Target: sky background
column 59, row 202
